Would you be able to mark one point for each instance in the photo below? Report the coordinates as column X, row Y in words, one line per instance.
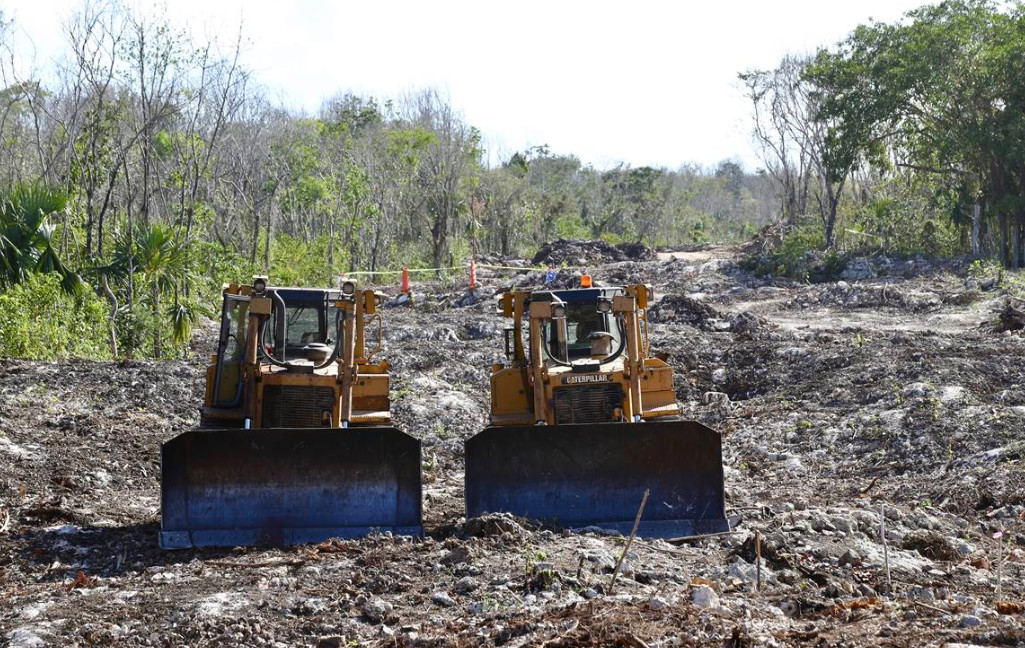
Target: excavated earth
column 873, row 442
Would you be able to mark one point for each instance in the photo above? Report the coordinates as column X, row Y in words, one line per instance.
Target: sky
column 640, row 82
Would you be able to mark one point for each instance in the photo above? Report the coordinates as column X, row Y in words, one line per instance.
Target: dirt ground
column 873, row 439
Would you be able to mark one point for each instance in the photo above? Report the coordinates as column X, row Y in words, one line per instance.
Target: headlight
column 348, row 288
column 558, row 311
column 604, row 305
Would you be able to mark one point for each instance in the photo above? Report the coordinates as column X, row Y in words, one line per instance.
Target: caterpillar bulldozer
column 584, row 420
column 295, row 443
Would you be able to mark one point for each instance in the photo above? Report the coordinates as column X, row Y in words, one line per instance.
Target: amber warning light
column 585, row 281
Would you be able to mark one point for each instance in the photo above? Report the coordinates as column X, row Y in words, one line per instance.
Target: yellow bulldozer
column 295, row 443
column 584, row 421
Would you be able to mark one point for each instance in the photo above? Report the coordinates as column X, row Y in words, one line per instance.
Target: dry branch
column 629, row 541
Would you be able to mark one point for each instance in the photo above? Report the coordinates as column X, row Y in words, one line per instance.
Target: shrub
column 798, row 255
column 38, row 320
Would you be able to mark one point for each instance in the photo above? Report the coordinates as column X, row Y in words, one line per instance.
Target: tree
column 447, row 169
column 780, row 112
column 938, row 94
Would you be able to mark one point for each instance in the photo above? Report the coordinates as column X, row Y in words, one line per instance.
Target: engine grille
column 289, row 406
column 587, row 403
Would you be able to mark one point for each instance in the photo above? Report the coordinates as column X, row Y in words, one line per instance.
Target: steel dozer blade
column 288, row 486
column 576, row 476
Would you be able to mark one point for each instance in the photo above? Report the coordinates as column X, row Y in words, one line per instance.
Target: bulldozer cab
column 300, row 329
column 302, row 317
column 585, row 322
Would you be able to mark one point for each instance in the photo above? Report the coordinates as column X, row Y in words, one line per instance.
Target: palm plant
column 26, row 235
column 164, row 268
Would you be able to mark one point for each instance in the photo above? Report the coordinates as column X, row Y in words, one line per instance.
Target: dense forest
column 144, row 167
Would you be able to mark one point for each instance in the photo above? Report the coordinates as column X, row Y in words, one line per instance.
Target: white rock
column 426, row 384
column 951, row 394
column 456, row 401
column 657, row 603
column 918, row 389
column 748, row 573
column 704, row 596
column 442, row 599
column 793, row 354
column 24, row 638
column 31, row 612
column 26, row 453
column 376, row 609
column 219, row 604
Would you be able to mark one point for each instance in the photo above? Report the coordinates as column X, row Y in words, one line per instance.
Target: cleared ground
column 849, row 406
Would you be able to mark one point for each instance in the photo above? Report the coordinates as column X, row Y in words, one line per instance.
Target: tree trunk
column 976, row 229
column 270, row 234
column 112, row 298
column 157, row 338
column 1005, row 256
column 331, row 244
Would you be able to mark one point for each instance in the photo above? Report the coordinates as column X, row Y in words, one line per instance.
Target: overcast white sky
column 642, row 82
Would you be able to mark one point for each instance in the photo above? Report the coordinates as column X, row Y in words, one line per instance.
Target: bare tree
column 779, row 108
column 447, row 165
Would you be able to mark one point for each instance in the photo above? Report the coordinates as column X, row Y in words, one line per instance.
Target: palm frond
column 183, row 318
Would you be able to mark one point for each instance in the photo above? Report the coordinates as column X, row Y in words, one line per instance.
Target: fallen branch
column 629, row 541
column 558, row 639
column 1010, row 607
column 633, row 641
column 886, row 545
column 930, row 607
column 999, row 537
column 267, row 563
column 871, row 485
column 703, row 536
column 758, row 561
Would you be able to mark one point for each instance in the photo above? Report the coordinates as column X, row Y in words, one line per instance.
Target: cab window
column 307, row 323
column 581, row 321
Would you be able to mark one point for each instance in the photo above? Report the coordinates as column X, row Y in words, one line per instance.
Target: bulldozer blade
column 595, row 475
column 288, row 486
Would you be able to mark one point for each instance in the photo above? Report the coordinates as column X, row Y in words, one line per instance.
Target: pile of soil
column 590, row 253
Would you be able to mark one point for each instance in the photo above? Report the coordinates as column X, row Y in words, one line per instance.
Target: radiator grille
column 587, row 403
column 299, row 407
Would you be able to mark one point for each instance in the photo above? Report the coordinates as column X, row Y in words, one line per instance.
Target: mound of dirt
column 583, row 253
column 680, row 309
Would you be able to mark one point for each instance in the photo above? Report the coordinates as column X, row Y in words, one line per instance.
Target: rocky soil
column 873, row 440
